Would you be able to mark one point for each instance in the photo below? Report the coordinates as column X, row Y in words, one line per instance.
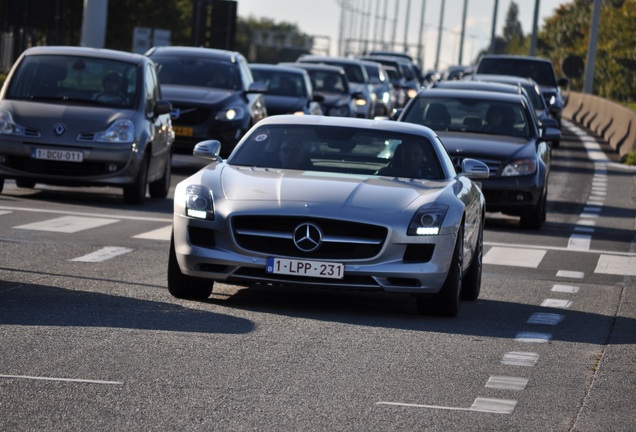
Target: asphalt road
column 91, row 339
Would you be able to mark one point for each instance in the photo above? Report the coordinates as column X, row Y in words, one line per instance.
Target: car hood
column 76, row 119
column 486, row 146
column 334, row 99
column 300, row 189
column 276, row 104
column 198, row 95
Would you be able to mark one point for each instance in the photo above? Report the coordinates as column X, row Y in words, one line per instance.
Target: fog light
column 112, row 168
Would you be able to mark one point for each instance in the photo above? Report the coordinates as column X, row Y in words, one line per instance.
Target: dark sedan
column 82, row 116
column 499, row 130
column 289, row 90
column 540, row 70
column 359, row 83
column 213, row 95
column 331, row 84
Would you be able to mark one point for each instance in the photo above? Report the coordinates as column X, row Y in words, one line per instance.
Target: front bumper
column 215, row 255
column 110, row 164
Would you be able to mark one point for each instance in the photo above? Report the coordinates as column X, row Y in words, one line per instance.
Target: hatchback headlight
column 122, row 131
column 519, row 168
column 8, row 126
column 199, row 202
column 427, row 220
column 231, row 113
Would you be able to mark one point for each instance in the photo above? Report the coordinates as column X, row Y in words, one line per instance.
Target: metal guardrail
column 613, row 122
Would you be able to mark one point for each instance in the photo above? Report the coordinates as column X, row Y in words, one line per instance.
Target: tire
column 471, row 286
column 446, row 302
column 25, row 184
column 136, row 192
column 184, row 286
column 1, row 184
column 161, row 187
column 535, row 219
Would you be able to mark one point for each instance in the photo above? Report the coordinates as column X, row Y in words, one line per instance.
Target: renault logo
column 307, row 237
column 59, row 129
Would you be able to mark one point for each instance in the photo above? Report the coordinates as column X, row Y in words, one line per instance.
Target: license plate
column 57, row 155
column 305, row 268
column 183, row 131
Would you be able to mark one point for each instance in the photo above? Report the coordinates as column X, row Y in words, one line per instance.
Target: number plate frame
column 57, row 155
column 304, row 268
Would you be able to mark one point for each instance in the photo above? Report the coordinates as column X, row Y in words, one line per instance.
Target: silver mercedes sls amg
column 332, row 202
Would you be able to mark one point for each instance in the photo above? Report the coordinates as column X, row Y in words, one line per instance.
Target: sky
column 322, row 18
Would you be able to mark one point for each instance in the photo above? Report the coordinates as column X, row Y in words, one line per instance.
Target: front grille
column 493, row 165
column 191, row 115
column 66, row 169
column 273, row 235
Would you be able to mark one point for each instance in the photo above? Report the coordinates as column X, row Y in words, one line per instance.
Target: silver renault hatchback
column 77, row 116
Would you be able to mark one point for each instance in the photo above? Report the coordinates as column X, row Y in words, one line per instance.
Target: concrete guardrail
column 613, row 122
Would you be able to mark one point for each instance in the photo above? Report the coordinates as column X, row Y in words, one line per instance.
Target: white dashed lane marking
column 103, row 254
column 68, row 224
column 520, row 358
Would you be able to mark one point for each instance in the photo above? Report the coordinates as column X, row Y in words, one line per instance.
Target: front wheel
column 161, row 187
column 1, row 184
column 184, row 286
column 136, row 192
column 472, row 281
column 446, row 302
column 534, row 220
column 25, row 184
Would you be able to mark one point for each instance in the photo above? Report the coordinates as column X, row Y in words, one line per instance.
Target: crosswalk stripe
column 67, row 224
column 158, row 234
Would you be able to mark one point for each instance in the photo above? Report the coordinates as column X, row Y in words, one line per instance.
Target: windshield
column 198, row 72
column 281, row 83
column 78, row 79
column 469, row 115
column 345, row 150
column 539, row 70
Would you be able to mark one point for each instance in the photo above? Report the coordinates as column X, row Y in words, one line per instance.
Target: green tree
column 515, row 41
column 263, row 40
column 567, row 32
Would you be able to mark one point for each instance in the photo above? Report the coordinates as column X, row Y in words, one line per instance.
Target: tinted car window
column 540, row 71
column 200, row 72
column 74, row 78
column 468, row 114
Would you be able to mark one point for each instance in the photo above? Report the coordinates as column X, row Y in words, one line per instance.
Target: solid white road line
column 63, row 379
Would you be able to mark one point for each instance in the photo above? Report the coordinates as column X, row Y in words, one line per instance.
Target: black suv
column 540, row 70
column 213, row 95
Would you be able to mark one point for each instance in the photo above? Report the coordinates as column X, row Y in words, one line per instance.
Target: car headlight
column 120, row 132
column 8, row 126
column 519, row 168
column 199, row 202
column 229, row 114
column 427, row 220
column 552, row 100
column 412, row 93
column 341, row 111
column 361, row 102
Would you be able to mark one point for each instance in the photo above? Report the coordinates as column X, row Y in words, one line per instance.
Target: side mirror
column 162, row 107
column 549, row 133
column 208, row 150
column 474, row 169
column 257, row 87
